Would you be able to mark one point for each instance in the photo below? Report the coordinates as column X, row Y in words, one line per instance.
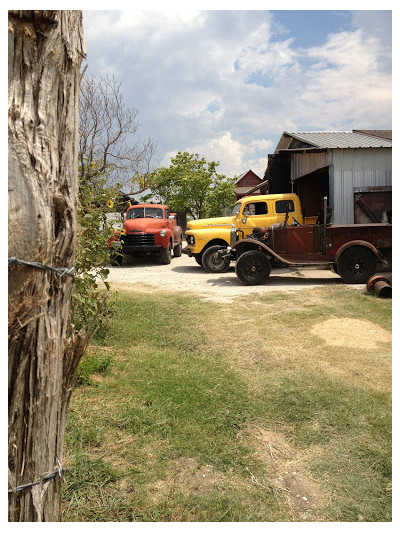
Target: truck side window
column 256, row 208
column 261, row 208
column 167, row 214
column 281, row 205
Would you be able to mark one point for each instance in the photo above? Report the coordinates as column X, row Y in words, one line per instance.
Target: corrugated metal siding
column 302, row 164
column 357, row 168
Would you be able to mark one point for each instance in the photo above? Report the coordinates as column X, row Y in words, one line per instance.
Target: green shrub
column 92, row 364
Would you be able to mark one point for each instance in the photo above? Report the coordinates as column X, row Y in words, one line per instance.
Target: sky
column 227, row 83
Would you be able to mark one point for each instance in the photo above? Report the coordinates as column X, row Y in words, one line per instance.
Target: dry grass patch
column 280, row 332
column 186, row 477
column 286, row 469
column 351, row 333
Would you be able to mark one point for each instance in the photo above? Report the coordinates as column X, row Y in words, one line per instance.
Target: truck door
column 254, row 215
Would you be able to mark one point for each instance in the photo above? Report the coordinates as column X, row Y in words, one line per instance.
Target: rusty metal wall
column 355, row 168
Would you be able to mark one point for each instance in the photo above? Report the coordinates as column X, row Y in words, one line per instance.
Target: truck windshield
column 145, row 212
column 236, row 209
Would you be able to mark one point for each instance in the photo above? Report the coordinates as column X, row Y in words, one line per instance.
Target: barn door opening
column 311, row 188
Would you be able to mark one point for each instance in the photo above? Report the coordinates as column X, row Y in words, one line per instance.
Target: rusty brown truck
column 353, row 251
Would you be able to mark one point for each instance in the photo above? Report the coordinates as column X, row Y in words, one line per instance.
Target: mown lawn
column 276, row 409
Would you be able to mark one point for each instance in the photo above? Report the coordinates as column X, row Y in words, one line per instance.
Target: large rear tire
column 253, row 267
column 356, row 264
column 212, row 262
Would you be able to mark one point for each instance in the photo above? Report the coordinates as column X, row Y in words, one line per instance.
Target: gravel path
column 183, row 274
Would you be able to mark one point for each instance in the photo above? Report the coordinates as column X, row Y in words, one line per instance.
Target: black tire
column 198, row 259
column 165, row 257
column 253, row 267
column 178, row 249
column 212, row 262
column 116, row 258
column 356, row 264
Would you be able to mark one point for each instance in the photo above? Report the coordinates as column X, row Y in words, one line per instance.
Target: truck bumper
column 137, row 249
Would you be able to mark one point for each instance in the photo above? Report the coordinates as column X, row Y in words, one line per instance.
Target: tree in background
column 192, row 184
column 45, row 53
column 109, row 140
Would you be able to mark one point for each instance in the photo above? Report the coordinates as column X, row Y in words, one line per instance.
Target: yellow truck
column 205, row 236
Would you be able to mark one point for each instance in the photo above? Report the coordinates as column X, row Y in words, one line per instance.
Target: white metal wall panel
column 302, row 164
column 370, row 167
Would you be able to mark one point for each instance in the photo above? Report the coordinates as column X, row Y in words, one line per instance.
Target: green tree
column 192, row 184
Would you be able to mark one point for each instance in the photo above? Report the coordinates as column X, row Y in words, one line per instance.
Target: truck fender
column 255, row 244
column 366, row 244
column 177, row 234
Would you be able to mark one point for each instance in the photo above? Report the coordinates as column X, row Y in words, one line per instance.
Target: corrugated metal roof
column 340, row 139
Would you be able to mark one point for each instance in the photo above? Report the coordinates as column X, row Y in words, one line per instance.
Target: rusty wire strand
column 13, row 261
column 43, row 478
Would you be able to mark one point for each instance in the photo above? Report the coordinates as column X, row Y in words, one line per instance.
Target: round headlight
column 163, row 233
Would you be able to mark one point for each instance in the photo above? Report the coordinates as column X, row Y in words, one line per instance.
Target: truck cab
column 148, row 229
column 248, row 213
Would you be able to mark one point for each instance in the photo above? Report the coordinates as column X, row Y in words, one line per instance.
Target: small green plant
column 90, row 364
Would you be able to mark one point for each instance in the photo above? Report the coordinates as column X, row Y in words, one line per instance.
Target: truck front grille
column 138, row 239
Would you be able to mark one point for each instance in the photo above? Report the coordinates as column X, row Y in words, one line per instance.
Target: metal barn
column 353, row 169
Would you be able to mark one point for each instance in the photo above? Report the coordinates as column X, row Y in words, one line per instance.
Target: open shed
column 353, row 169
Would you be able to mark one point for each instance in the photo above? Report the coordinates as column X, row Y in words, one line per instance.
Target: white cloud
column 346, row 84
column 235, row 157
column 226, row 84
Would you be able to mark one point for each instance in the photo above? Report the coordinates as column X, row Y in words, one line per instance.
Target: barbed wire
column 13, row 261
column 43, row 477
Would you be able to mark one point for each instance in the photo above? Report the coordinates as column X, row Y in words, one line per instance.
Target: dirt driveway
column 183, row 274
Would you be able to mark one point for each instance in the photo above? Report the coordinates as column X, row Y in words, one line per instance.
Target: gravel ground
column 183, row 274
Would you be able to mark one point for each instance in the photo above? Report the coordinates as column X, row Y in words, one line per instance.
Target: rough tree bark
column 45, row 53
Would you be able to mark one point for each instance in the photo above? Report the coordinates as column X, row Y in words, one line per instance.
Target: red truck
column 149, row 229
column 353, row 251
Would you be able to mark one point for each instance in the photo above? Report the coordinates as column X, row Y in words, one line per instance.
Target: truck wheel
column 178, row 249
column 356, row 264
column 165, row 256
column 212, row 262
column 253, row 267
column 198, row 259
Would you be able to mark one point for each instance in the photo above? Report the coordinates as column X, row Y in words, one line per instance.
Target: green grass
column 197, row 412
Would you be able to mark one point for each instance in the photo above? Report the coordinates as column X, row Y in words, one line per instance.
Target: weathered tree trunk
column 45, row 53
